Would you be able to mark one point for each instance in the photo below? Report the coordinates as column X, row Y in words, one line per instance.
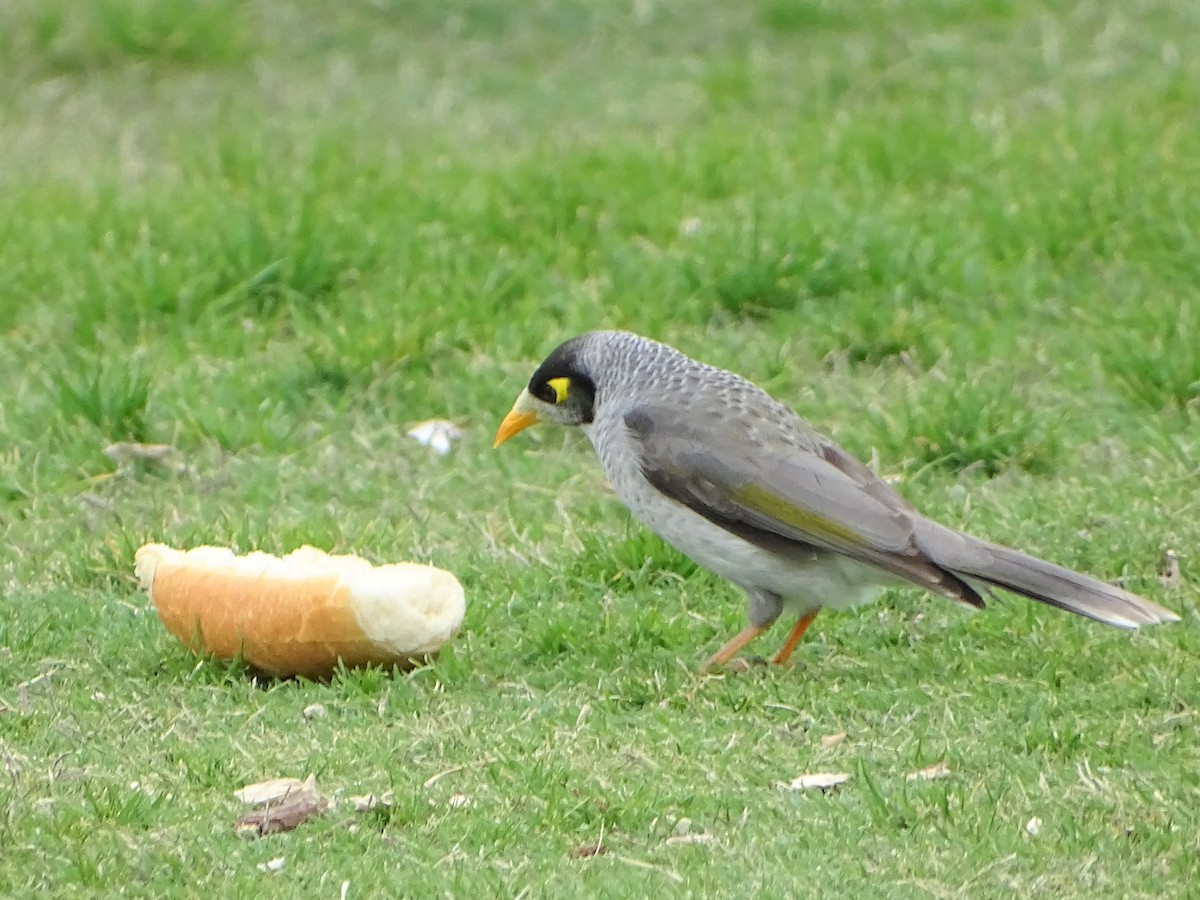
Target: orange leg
column 793, row 639
column 736, row 643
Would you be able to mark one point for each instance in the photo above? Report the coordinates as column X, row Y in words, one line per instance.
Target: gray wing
column 782, row 495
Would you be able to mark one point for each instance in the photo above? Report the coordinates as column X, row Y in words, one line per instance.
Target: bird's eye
column 559, row 388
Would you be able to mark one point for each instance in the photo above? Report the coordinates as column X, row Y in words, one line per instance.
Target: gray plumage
column 747, row 488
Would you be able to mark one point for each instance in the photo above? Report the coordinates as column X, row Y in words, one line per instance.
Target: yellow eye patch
column 560, row 386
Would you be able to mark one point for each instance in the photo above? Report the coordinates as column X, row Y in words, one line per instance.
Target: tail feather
column 971, row 558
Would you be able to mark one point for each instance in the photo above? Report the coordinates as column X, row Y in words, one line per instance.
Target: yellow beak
column 516, row 421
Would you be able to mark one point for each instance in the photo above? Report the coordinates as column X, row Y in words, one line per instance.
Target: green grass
column 57, row 37
column 960, row 237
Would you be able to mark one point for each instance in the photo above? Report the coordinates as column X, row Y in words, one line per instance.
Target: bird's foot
column 731, row 648
column 785, row 652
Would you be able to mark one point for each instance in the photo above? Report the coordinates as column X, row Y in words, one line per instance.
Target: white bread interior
column 299, row 614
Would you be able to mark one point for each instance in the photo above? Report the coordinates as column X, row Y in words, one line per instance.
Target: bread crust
column 302, row 613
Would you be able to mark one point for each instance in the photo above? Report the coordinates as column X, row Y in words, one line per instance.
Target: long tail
column 970, row 558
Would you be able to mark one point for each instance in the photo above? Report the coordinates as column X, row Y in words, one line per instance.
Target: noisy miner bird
column 745, row 487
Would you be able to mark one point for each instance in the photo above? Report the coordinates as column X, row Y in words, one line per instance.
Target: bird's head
column 561, row 391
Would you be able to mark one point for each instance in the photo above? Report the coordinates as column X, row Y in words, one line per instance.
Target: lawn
column 961, row 237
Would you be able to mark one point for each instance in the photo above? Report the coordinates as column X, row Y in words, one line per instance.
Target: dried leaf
column 291, row 813
column 929, row 773
column 832, row 740
column 273, row 865
column 823, row 781
column 1033, row 826
column 1170, row 576
column 589, row 851
column 274, row 791
column 437, row 434
column 285, row 803
column 459, row 801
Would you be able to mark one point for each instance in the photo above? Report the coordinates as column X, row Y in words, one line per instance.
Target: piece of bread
column 300, row 613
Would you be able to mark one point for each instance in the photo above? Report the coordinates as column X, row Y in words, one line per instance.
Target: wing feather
column 778, row 495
